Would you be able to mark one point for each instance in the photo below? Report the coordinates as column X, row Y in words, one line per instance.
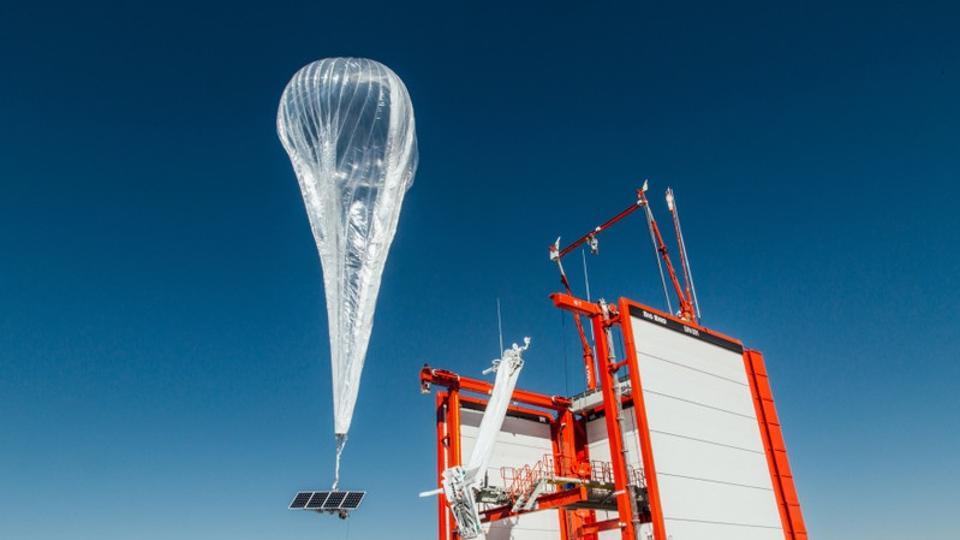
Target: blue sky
column 163, row 343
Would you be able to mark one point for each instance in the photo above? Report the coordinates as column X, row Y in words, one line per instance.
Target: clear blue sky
column 163, row 344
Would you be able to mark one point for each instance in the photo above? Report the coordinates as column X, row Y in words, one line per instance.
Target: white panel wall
column 599, row 448
column 712, row 471
column 520, row 442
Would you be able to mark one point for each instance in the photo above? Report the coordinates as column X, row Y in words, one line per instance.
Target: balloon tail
column 341, row 442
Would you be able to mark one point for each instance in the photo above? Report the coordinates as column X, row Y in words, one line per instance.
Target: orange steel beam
column 577, row 433
column 549, row 501
column 443, row 533
column 557, row 429
column 453, row 440
column 774, row 447
column 451, row 380
column 600, row 228
column 567, row 461
column 588, row 360
column 453, row 427
column 574, row 304
column 643, row 425
column 594, row 528
column 614, row 433
column 618, row 455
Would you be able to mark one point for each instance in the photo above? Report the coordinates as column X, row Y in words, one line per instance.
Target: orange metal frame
column 568, row 430
column 787, row 501
column 569, row 437
column 552, row 410
column 784, row 487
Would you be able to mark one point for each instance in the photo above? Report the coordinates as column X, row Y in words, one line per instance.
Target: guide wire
column 563, row 341
column 686, row 258
column 656, row 253
column 591, row 377
column 586, row 283
column 341, row 443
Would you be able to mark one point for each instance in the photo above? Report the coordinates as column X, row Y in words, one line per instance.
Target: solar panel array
column 327, row 500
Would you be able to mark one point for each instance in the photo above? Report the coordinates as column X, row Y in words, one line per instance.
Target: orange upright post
column 643, row 424
column 453, row 434
column 611, row 405
column 442, row 511
column 776, row 449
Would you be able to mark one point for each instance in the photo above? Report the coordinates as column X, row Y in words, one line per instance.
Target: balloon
column 348, row 127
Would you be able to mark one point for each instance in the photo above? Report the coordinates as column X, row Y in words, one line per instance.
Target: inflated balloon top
column 347, row 124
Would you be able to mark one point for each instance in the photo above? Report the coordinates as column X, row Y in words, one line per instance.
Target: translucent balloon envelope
column 347, row 124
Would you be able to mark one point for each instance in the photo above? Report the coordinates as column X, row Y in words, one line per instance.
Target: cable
column 563, row 341
column 499, row 328
column 683, row 247
column 586, row 282
column 586, row 276
column 656, row 253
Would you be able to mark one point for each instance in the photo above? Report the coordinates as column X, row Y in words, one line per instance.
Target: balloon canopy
column 347, row 124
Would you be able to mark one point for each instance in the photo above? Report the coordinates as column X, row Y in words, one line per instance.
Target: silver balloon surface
column 348, row 126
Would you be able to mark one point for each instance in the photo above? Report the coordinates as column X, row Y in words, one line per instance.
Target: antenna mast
column 499, row 326
column 687, row 311
column 587, row 349
column 691, row 289
column 686, row 306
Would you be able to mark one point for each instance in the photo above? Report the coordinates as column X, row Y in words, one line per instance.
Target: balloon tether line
column 341, row 442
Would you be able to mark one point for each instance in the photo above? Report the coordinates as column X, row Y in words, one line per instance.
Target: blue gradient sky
column 163, row 343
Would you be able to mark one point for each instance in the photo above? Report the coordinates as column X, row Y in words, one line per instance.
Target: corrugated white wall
column 599, row 447
column 712, row 471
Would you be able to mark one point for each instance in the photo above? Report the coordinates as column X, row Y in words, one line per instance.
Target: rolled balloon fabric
column 348, row 127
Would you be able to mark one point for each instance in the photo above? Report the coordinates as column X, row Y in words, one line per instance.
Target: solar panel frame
column 300, row 500
column 318, row 500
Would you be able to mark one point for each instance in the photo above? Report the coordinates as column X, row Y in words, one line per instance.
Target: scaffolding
column 594, row 496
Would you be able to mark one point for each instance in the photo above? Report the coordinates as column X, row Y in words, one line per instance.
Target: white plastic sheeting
column 521, row 441
column 508, row 371
column 348, row 127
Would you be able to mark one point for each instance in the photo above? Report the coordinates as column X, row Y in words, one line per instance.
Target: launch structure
column 675, row 437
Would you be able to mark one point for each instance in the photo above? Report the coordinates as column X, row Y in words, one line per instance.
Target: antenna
column 586, row 283
column 499, row 327
column 686, row 311
column 586, row 276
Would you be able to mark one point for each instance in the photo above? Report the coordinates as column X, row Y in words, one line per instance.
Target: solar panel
column 335, row 499
column 333, row 502
column 318, row 499
column 352, row 501
column 301, row 499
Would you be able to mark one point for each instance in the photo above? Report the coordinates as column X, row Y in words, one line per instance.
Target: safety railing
column 520, row 482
